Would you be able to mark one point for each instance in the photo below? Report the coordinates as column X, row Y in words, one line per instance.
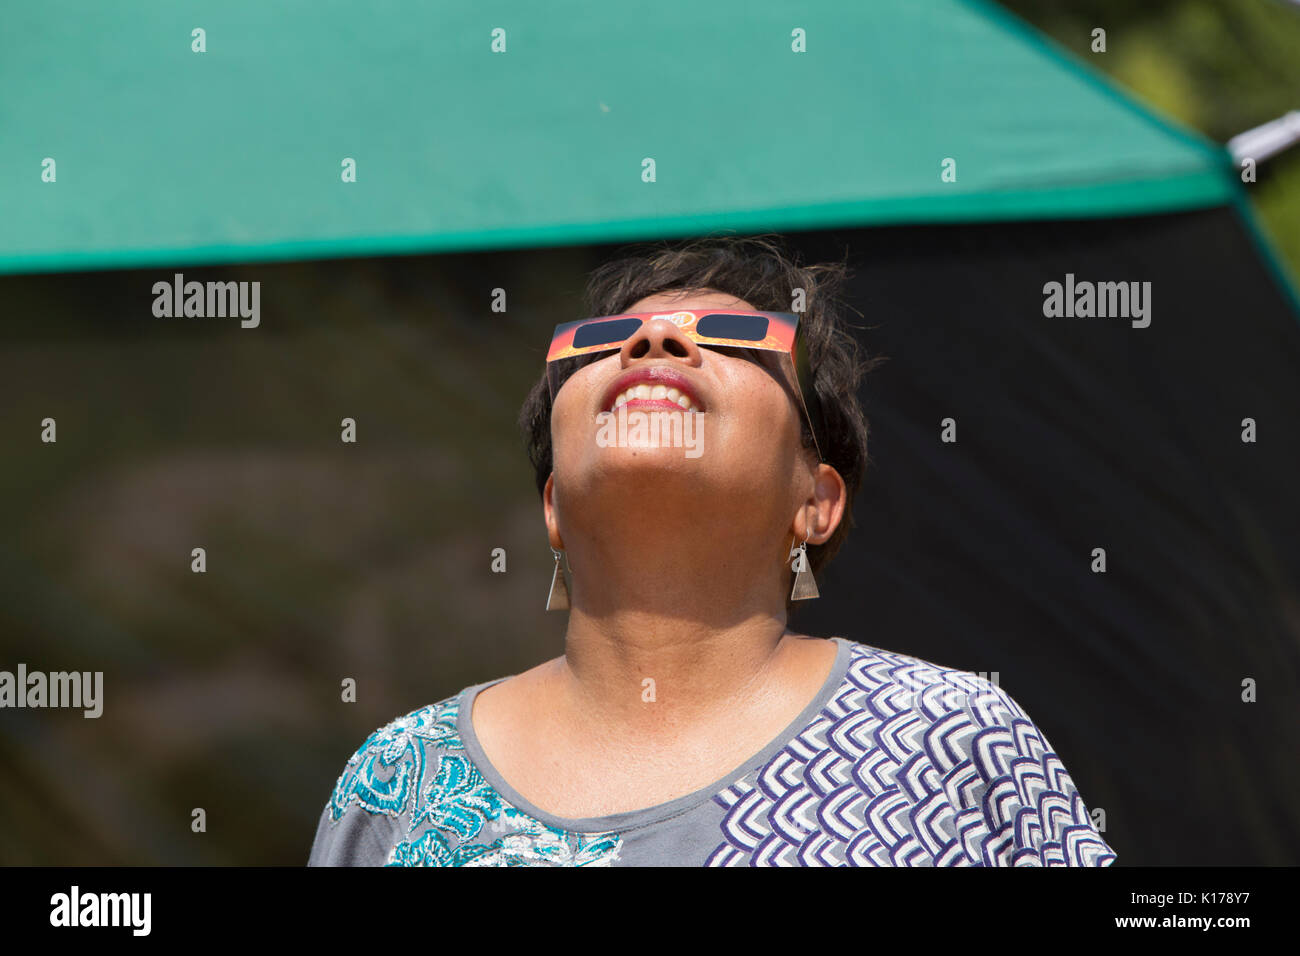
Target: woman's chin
column 651, row 436
column 645, row 460
column 617, row 479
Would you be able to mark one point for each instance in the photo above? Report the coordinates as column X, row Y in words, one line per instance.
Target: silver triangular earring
column 558, row 599
column 805, row 585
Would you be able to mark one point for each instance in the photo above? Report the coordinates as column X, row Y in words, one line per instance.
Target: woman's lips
column 658, row 387
column 654, row 396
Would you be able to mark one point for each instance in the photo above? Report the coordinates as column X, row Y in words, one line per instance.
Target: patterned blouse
column 896, row 762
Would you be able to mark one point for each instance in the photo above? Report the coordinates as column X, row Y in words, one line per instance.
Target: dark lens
column 604, row 333
column 721, row 325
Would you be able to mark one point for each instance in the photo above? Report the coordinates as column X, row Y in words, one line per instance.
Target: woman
column 685, row 724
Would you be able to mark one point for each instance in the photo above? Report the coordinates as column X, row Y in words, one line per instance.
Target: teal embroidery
column 532, row 843
column 459, row 799
column 389, row 767
column 387, row 776
column 432, row 850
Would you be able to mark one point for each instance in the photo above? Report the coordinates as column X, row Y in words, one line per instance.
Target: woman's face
column 750, row 471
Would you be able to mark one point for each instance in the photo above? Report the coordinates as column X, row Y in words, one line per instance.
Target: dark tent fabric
column 1073, row 433
column 1076, row 433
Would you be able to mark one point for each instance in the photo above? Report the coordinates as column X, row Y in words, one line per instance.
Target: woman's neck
column 644, row 679
column 686, row 626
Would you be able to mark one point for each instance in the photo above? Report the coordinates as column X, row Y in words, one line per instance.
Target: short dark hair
column 759, row 271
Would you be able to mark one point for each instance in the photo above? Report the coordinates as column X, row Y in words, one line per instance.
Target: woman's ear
column 550, row 514
column 822, row 512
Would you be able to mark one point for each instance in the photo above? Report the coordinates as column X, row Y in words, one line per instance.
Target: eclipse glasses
column 774, row 334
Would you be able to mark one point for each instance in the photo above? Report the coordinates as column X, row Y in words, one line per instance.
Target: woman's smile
column 653, row 386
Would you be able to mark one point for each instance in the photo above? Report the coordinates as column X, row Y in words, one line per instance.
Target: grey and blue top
column 896, row 762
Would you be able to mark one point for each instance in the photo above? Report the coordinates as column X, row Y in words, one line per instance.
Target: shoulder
column 933, row 688
column 888, row 683
column 382, row 775
column 933, row 731
column 381, row 785
column 949, row 713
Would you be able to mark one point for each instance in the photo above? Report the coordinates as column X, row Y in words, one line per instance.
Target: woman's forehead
column 686, row 299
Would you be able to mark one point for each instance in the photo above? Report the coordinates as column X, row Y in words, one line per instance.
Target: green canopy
column 163, row 155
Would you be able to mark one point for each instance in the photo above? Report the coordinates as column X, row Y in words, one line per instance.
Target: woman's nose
column 660, row 338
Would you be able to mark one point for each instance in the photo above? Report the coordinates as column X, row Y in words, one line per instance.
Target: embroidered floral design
column 389, row 767
column 532, row 843
column 387, row 776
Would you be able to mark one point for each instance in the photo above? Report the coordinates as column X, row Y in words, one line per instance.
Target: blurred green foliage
column 1218, row 67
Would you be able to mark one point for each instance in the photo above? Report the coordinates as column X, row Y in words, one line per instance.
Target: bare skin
column 680, row 574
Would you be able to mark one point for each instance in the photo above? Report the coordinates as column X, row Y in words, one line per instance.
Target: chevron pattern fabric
column 911, row 764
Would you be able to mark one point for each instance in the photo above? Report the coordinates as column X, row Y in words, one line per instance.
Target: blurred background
column 371, row 561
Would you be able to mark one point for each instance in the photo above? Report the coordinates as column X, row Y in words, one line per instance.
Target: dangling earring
column 558, row 599
column 805, row 585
